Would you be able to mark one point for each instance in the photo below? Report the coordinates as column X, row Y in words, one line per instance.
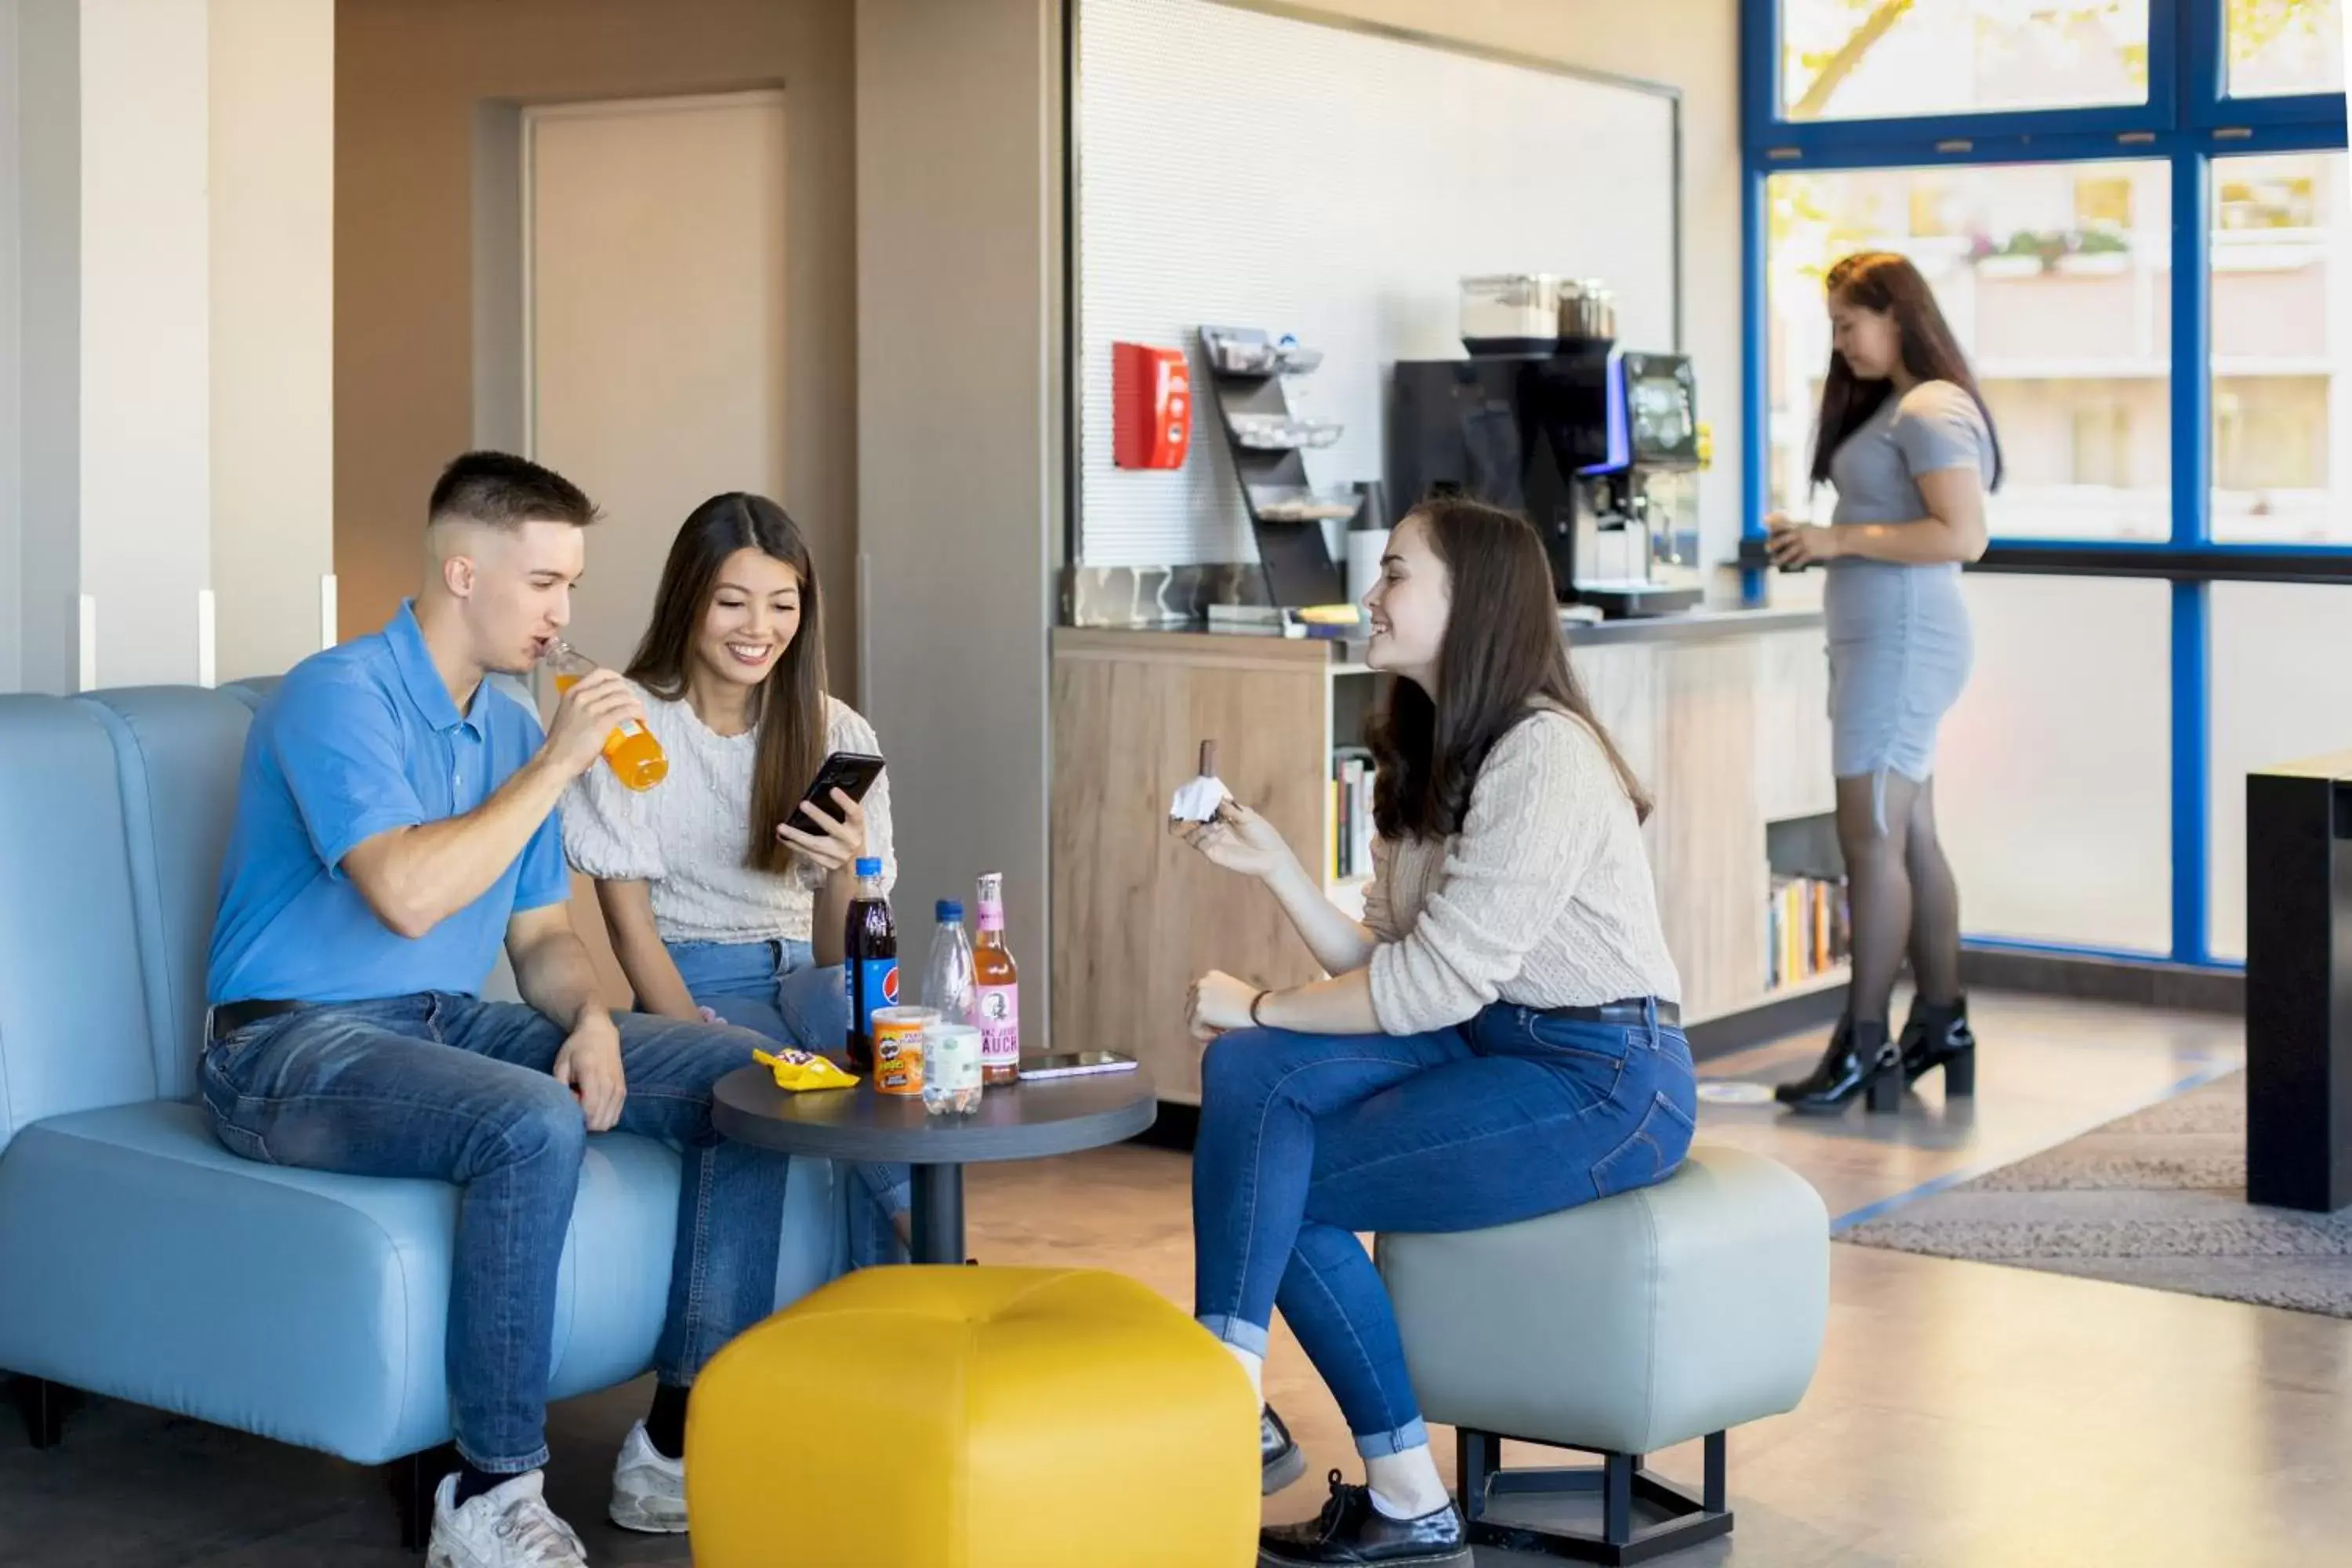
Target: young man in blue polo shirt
column 395, row 822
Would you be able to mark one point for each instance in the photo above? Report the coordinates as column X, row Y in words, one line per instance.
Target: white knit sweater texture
column 687, row 837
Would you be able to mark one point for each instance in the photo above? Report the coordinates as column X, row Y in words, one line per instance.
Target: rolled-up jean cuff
column 1413, row 1435
column 894, row 1191
column 506, row 1467
column 1237, row 1334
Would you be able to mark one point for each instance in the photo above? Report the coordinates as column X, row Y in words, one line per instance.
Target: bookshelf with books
column 1806, row 934
column 1349, row 849
column 1808, row 931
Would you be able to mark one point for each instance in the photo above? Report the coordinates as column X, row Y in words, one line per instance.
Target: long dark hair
column 1883, row 281
column 1501, row 652
column 789, row 706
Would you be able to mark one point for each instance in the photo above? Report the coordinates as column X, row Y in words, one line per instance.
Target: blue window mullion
column 2193, row 28
column 2192, row 510
column 2191, row 753
column 1760, row 72
column 1925, row 138
column 2322, row 111
column 1756, row 394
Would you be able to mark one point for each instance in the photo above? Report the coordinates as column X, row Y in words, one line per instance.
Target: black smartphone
column 850, row 772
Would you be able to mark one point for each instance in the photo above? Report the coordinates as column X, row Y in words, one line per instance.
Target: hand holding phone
column 830, row 833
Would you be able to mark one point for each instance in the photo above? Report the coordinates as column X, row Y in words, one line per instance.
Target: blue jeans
column 1306, row 1140
column 776, row 989
column 455, row 1089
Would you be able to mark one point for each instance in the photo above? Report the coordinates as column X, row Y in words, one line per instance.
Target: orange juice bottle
column 635, row 755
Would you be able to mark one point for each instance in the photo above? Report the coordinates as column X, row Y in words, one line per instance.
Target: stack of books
column 1350, row 814
column 1806, row 929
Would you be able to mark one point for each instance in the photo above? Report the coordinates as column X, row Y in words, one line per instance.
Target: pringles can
column 899, row 1048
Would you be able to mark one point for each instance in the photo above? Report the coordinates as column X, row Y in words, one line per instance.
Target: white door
column 654, row 334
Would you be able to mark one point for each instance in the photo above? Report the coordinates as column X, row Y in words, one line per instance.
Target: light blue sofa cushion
column 179, row 751
column 146, row 1262
column 74, row 1022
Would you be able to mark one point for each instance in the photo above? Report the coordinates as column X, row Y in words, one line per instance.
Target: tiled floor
column 1964, row 1416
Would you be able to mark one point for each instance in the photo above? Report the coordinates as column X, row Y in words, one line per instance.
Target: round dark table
column 1017, row 1121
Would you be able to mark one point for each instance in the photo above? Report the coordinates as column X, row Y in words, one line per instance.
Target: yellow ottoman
column 946, row 1417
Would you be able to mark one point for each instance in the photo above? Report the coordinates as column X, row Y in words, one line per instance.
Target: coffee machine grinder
column 1598, row 447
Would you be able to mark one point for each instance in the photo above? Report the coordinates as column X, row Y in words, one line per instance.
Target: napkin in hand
column 1198, row 800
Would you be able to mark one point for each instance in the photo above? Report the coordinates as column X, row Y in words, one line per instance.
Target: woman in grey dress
column 1906, row 441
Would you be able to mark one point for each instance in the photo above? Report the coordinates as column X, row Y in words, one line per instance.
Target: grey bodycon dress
column 1898, row 635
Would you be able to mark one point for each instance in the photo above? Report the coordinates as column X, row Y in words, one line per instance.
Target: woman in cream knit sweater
column 1498, row 1039
column 717, row 908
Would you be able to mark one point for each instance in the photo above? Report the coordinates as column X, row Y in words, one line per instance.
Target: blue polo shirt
column 359, row 740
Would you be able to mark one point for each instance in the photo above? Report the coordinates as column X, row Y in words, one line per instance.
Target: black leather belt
column 231, row 1016
column 1634, row 1010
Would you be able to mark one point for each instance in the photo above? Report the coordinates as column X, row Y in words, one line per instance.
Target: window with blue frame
column 2137, row 216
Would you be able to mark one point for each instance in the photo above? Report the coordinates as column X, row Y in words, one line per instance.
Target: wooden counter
column 1723, row 716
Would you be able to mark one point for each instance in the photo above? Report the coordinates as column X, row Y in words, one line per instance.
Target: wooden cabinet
column 1728, row 733
column 1137, row 913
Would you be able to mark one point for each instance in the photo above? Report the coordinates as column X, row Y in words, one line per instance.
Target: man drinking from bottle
column 395, row 823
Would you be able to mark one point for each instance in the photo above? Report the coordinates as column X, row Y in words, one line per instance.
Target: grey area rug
column 2157, row 1198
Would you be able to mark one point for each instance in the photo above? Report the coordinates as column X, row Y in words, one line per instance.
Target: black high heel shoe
column 1939, row 1037
column 1861, row 1060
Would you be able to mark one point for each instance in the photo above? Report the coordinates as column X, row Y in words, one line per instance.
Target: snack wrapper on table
column 797, row 1071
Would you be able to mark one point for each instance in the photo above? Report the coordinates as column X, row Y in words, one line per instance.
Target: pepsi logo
column 890, row 986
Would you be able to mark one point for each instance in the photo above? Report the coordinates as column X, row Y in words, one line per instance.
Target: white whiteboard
column 1244, row 169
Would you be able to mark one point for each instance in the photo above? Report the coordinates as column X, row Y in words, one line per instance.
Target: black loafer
column 1280, row 1461
column 1351, row 1531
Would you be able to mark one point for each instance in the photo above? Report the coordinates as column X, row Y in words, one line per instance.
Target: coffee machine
column 1597, row 446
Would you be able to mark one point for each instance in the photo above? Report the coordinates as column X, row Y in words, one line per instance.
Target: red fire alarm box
column 1152, row 403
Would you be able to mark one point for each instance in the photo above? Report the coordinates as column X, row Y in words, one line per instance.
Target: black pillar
column 2299, row 984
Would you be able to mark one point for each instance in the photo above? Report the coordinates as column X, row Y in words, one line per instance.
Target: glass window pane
column 2057, row 281
column 2054, row 796
column 1869, row 60
column 2280, row 47
column 2281, row 349
column 2281, row 690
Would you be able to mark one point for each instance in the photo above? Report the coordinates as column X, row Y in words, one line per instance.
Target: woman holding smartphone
column 720, row 907
column 1906, row 439
column 1498, row 1039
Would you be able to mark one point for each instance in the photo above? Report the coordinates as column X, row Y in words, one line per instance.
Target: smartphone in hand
column 852, row 772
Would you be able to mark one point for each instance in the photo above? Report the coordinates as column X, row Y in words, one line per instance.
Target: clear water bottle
column 948, row 973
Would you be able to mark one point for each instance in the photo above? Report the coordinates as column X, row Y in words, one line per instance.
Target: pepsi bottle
column 870, row 962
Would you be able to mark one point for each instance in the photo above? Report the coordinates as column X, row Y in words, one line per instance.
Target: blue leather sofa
column 141, row 1261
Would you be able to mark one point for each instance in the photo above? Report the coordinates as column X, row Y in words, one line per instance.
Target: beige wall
column 958, row 245
column 1693, row 45
column 409, row 75
column 273, row 313
column 111, row 294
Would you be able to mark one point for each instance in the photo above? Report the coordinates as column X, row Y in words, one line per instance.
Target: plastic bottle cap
column 870, row 868
column 950, row 912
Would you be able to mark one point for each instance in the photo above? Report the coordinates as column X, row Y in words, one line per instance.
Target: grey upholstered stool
column 1620, row 1327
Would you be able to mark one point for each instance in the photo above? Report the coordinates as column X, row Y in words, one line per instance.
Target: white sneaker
column 509, row 1526
column 648, row 1488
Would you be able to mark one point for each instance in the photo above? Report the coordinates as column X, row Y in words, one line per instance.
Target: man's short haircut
column 505, row 491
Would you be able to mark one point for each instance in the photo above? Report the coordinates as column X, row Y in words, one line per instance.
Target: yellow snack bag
column 797, row 1071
